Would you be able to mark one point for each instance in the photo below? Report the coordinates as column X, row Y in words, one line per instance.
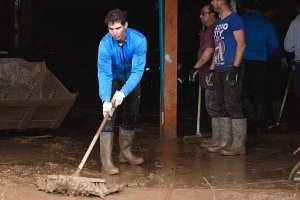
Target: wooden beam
column 168, row 126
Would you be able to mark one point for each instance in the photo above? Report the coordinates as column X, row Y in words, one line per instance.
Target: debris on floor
column 75, row 186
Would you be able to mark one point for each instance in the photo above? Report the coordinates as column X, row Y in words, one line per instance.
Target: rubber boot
column 239, row 132
column 215, row 139
column 126, row 141
column 106, row 145
column 225, row 133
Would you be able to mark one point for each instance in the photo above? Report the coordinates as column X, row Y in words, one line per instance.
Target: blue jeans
column 211, row 103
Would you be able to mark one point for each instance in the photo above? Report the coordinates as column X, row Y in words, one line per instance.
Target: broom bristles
column 74, row 186
column 193, row 139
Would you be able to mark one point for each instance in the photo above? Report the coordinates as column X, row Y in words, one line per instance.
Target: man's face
column 206, row 16
column 117, row 30
column 273, row 14
column 216, row 4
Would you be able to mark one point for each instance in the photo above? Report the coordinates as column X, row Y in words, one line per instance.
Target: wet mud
column 29, row 154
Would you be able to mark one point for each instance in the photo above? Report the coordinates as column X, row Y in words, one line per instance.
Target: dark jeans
column 296, row 77
column 273, row 83
column 254, row 81
column 130, row 108
column 229, row 96
column 211, row 103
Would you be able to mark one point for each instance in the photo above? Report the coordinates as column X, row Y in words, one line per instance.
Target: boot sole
column 122, row 160
column 112, row 172
column 205, row 146
column 213, row 151
column 233, row 154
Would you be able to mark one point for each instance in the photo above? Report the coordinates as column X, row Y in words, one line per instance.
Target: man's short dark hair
column 211, row 10
column 250, row 4
column 265, row 7
column 116, row 15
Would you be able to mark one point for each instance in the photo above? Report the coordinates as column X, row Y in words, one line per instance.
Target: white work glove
column 193, row 74
column 209, row 78
column 107, row 108
column 118, row 98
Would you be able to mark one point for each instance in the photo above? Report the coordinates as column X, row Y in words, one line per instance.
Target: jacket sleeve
column 138, row 67
column 104, row 64
column 273, row 43
column 288, row 40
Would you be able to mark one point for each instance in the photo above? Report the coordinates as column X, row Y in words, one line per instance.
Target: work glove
column 284, row 64
column 107, row 109
column 232, row 75
column 118, row 98
column 209, row 78
column 193, row 74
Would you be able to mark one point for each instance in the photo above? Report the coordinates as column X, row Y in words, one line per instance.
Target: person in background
column 292, row 45
column 228, row 71
column 121, row 63
column 205, row 54
column 261, row 41
column 276, row 63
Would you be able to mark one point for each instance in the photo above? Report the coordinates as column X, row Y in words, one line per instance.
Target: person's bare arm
column 205, row 57
column 239, row 36
column 213, row 65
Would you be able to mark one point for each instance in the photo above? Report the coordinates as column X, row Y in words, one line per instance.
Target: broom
column 75, row 185
column 198, row 136
column 278, row 126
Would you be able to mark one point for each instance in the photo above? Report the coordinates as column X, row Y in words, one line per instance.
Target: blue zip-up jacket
column 275, row 56
column 260, row 35
column 123, row 62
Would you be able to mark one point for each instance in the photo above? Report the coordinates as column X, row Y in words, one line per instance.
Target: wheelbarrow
column 31, row 96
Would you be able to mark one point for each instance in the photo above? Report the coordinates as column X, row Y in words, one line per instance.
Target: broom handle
column 87, row 153
column 199, row 95
column 284, row 98
column 199, row 111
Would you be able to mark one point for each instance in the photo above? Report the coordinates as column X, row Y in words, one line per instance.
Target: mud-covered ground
column 172, row 168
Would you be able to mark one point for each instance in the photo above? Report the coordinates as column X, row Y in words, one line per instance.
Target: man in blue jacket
column 121, row 63
column 274, row 85
column 261, row 40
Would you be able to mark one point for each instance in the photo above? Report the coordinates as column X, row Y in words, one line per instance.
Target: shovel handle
column 87, row 153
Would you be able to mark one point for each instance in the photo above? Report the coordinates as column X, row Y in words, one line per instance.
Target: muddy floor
column 173, row 169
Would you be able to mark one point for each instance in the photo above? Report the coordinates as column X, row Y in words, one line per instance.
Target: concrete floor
column 173, row 169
